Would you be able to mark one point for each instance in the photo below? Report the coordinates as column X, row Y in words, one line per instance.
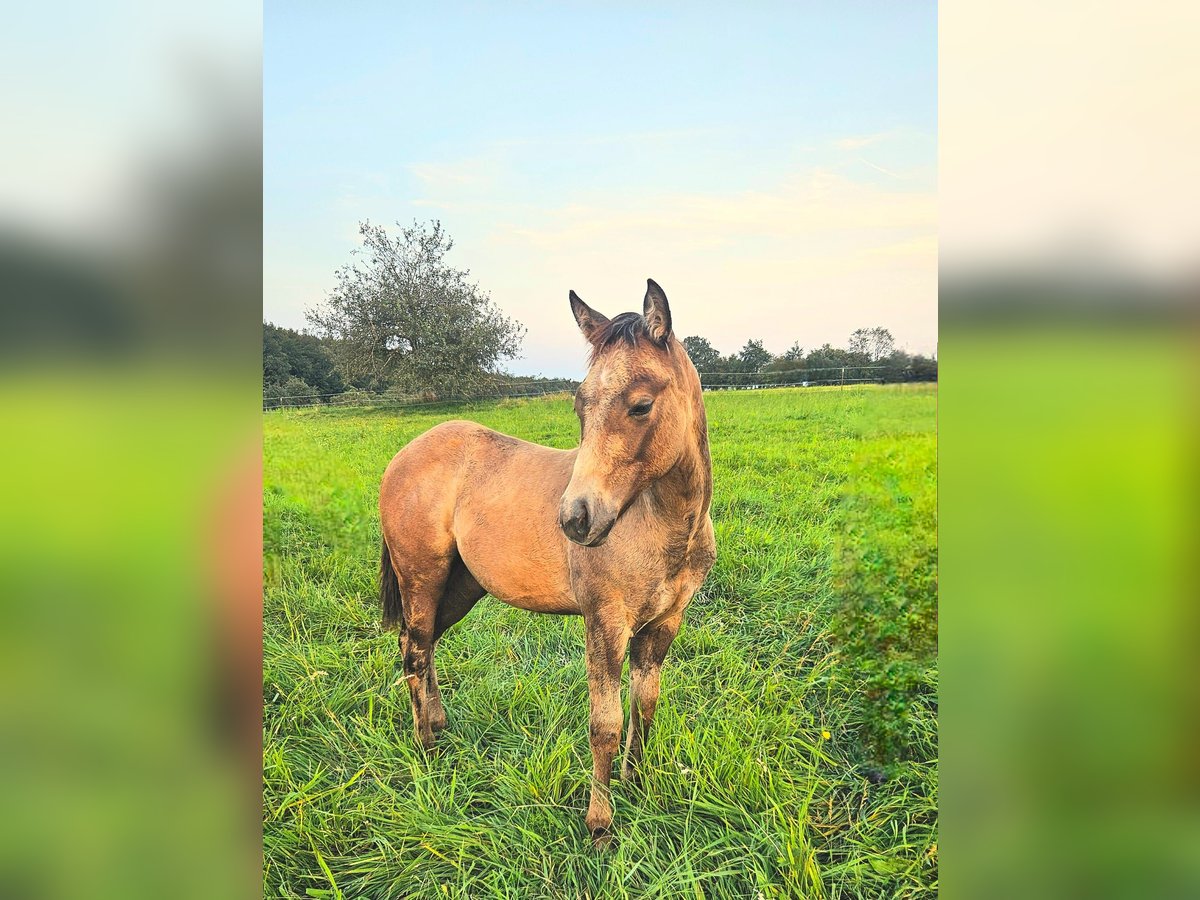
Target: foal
column 617, row 531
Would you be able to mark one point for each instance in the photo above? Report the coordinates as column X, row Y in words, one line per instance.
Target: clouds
column 819, row 207
column 477, row 174
column 857, row 143
column 809, row 256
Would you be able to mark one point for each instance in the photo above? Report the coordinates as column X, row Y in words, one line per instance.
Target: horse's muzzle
column 585, row 523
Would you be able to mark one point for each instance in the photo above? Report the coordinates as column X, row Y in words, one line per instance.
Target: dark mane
column 628, row 326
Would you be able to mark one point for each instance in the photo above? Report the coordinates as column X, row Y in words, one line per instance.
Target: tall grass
column 773, row 769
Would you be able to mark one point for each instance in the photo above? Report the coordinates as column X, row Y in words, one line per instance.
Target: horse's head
column 636, row 408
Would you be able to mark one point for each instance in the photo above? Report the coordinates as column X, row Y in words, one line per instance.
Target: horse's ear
column 590, row 321
column 657, row 312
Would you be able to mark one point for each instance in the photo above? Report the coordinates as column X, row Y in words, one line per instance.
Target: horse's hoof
column 602, row 838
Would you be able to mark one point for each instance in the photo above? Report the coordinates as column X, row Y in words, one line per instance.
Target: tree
column 753, row 356
column 290, row 356
column 290, row 392
column 825, row 364
column 703, row 355
column 923, row 368
column 794, row 353
column 897, row 367
column 873, row 343
column 787, row 367
column 401, row 316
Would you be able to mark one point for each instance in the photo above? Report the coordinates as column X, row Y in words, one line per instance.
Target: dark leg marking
column 607, row 638
column 647, row 650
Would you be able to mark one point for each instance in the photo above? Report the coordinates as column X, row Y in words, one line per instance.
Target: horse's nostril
column 577, row 520
column 580, row 515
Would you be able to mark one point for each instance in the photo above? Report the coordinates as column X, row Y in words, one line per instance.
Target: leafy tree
column 896, row 367
column 703, row 355
column 291, row 391
column 298, row 359
column 753, row 356
column 923, row 368
column 787, row 367
column 288, row 352
column 873, row 343
column 825, row 365
column 402, row 316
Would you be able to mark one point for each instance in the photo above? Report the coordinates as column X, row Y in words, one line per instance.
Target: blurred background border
column 130, row 271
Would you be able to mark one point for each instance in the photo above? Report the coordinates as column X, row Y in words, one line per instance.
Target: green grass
column 818, row 619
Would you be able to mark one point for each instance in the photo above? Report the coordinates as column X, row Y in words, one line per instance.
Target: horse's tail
column 389, row 592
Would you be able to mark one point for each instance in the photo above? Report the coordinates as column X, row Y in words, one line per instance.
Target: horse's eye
column 641, row 409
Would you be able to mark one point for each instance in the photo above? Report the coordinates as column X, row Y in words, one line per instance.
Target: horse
column 617, row 530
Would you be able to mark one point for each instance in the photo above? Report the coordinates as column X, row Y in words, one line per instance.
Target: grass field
column 794, row 750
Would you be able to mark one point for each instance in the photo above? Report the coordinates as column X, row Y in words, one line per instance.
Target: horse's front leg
column 647, row 650
column 607, row 637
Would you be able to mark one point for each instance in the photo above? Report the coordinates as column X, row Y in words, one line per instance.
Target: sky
column 773, row 167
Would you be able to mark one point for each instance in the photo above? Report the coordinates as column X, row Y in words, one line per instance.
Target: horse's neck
column 687, row 487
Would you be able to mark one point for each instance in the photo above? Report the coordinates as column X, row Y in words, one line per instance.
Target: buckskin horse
column 617, row 531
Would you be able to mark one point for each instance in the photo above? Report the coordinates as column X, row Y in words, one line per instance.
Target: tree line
column 869, row 356
column 404, row 325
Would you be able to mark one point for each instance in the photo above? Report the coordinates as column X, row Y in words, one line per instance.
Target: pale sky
column 773, row 169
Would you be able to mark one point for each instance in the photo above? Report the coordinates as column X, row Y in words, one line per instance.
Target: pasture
column 794, row 751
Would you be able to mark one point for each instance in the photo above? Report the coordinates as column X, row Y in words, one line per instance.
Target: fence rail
column 779, row 378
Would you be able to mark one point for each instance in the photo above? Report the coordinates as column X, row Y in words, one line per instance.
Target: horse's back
column 467, row 452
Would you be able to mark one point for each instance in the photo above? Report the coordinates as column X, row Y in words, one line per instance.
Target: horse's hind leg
column 461, row 594
column 421, row 587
